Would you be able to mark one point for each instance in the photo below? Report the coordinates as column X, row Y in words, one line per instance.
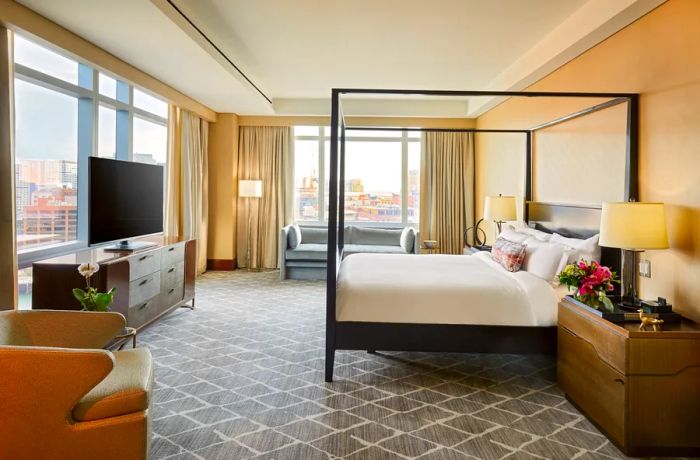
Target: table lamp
column 249, row 189
column 500, row 209
column 633, row 227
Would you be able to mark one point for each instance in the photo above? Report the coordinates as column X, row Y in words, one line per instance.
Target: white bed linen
column 441, row 289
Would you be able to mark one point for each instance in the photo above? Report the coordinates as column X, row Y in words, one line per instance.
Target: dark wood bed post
column 335, row 233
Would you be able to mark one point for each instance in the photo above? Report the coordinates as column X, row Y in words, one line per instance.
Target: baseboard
column 221, row 264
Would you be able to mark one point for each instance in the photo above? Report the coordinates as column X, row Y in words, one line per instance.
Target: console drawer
column 141, row 313
column 172, row 255
column 144, row 288
column 172, row 276
column 171, row 296
column 143, row 264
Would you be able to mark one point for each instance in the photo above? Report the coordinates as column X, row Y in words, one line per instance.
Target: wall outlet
column 645, row 268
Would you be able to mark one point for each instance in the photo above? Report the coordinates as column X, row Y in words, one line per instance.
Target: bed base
column 447, row 338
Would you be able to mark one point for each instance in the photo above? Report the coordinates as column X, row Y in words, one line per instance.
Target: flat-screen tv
column 125, row 200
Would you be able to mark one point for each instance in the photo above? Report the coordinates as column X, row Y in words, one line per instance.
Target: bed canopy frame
column 572, row 220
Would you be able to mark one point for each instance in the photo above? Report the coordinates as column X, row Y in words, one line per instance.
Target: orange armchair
column 63, row 396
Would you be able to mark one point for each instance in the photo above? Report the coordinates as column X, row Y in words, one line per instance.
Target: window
column 151, row 104
column 108, row 86
column 44, row 60
column 46, row 166
column 150, row 141
column 107, row 132
column 61, row 119
column 382, row 170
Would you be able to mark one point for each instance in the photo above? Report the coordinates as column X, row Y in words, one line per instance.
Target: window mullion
column 322, row 176
column 404, row 177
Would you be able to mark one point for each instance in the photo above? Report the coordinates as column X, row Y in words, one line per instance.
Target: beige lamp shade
column 633, row 226
column 500, row 208
column 250, row 188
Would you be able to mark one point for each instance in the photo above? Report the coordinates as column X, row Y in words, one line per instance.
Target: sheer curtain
column 264, row 153
column 187, row 180
column 447, row 188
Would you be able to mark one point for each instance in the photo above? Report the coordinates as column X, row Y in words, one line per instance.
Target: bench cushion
column 308, row 251
column 372, row 248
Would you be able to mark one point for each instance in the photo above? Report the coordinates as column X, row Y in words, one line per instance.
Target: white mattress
column 442, row 289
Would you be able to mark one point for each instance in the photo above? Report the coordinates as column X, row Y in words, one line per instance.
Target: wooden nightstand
column 642, row 388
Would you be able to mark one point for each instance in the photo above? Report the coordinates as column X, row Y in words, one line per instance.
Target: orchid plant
column 591, row 281
column 89, row 298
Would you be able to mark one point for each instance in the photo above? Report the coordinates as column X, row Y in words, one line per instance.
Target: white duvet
column 441, row 289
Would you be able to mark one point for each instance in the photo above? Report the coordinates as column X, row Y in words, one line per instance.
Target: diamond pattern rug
column 241, row 376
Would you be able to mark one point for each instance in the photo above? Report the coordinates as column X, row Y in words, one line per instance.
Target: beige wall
column 20, row 18
column 223, row 183
column 657, row 57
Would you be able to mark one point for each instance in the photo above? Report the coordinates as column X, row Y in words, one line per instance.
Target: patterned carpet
column 241, row 377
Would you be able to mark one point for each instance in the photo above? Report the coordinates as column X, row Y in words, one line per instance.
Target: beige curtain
column 447, row 188
column 264, row 153
column 187, row 203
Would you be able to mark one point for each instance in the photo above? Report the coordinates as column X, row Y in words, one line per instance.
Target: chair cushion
column 376, row 236
column 372, row 249
column 125, row 390
column 308, row 251
column 316, row 235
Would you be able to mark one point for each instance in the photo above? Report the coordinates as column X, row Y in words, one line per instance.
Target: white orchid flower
column 89, row 269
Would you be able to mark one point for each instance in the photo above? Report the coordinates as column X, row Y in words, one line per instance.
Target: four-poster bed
column 346, row 333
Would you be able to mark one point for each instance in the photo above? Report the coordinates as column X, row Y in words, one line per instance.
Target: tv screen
column 125, row 200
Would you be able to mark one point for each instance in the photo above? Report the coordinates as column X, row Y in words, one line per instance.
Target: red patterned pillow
column 510, row 255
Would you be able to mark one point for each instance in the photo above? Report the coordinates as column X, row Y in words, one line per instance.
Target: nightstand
column 475, row 249
column 641, row 388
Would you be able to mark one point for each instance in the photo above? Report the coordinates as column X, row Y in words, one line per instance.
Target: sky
column 46, row 122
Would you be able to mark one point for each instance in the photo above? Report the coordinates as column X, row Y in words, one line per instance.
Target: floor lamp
column 249, row 189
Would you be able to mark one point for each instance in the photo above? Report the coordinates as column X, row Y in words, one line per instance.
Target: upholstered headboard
column 573, row 221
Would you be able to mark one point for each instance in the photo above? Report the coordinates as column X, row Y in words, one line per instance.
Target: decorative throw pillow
column 294, row 237
column 509, row 254
column 408, row 237
column 581, row 249
column 544, row 259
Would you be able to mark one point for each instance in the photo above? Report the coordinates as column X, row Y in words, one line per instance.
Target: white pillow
column 582, row 249
column 512, row 235
column 545, row 259
column 521, row 227
column 294, row 236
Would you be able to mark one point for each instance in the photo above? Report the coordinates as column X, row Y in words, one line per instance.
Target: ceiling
column 272, row 56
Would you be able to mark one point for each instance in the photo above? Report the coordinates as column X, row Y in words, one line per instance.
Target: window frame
column 323, row 136
column 87, row 93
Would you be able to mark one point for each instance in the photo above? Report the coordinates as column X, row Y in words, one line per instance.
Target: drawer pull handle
column 172, row 269
column 171, row 291
column 144, row 282
column 144, row 305
column 171, row 249
column 142, row 258
column 620, row 381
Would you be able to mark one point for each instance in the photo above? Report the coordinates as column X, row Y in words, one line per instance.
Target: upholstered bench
column 303, row 249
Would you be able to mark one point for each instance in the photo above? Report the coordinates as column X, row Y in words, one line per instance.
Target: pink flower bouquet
column 591, row 281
